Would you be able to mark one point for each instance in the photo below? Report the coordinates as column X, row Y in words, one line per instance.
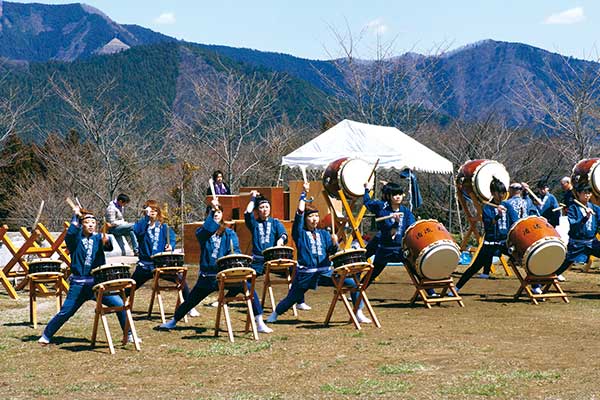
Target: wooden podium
column 230, row 204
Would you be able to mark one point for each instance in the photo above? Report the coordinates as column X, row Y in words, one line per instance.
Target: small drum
column 430, row 249
column 536, row 245
column 44, row 265
column 234, row 261
column 168, row 259
column 348, row 175
column 587, row 171
column 350, row 256
column 110, row 272
column 278, row 253
column 474, row 178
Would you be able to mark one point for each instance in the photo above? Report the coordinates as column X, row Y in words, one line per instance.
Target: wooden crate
column 274, row 194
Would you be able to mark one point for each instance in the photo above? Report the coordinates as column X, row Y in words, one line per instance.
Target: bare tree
column 389, row 89
column 111, row 152
column 566, row 106
column 226, row 118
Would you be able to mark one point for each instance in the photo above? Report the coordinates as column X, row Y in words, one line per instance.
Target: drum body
column 348, row 175
column 350, row 256
column 110, row 272
column 168, row 259
column 234, row 261
column 278, row 253
column 587, row 171
column 474, row 178
column 430, row 249
column 44, row 265
column 536, row 245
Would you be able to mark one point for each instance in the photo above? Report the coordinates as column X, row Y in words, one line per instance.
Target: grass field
column 494, row 348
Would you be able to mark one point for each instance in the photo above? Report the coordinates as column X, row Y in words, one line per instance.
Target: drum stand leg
column 179, row 275
column 353, row 221
column 547, row 283
column 236, row 276
column 421, row 286
column 283, row 266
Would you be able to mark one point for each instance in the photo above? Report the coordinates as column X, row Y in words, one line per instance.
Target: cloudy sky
column 307, row 28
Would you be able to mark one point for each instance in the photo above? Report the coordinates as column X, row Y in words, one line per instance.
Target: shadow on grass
column 20, row 324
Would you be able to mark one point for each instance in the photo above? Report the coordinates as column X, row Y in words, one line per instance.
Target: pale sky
column 304, row 28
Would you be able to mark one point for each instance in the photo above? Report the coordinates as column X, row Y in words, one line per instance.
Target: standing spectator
column 220, row 187
column 118, row 227
column 567, row 195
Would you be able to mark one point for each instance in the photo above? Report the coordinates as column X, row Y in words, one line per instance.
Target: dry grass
column 494, row 348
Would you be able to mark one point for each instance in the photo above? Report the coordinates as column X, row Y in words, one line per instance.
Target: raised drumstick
column 211, row 183
column 584, row 206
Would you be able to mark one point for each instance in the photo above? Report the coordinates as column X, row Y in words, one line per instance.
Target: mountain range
column 82, row 45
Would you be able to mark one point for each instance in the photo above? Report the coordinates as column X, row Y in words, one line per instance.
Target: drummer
column 521, row 203
column 391, row 229
column 216, row 241
column 266, row 232
column 86, row 248
column 498, row 217
column 314, row 268
column 584, row 225
column 151, row 233
column 548, row 208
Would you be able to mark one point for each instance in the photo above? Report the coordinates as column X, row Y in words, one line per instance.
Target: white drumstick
column 211, row 183
column 584, row 206
column 303, row 169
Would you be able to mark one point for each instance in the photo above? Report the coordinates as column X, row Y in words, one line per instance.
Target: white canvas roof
column 392, row 147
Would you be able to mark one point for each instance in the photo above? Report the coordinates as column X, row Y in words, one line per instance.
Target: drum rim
column 342, row 182
column 167, row 253
column 535, row 246
column 589, row 174
column 44, row 260
column 443, row 242
column 247, row 257
column 414, row 224
column 346, row 251
column 107, row 266
column 278, row 247
column 477, row 170
column 509, row 242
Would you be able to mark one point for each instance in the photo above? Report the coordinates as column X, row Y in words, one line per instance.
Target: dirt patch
column 495, row 347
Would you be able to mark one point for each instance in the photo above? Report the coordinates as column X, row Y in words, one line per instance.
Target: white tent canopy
column 392, row 147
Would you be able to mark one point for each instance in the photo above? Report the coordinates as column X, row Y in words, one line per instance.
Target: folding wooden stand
column 340, row 222
column 285, row 267
column 422, row 284
column 361, row 274
column 547, row 283
column 44, row 279
column 176, row 283
column 30, row 247
column 110, row 287
column 236, row 277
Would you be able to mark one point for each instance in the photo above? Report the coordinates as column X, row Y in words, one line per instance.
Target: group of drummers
column 315, row 246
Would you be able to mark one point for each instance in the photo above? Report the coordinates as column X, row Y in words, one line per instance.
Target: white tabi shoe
column 303, row 307
column 193, row 313
column 362, row 318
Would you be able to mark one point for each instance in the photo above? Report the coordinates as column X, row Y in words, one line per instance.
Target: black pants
column 484, row 259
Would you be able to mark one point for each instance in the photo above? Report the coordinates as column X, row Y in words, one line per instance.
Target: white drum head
column 439, row 262
column 354, row 174
column 483, row 178
column 595, row 178
column 545, row 259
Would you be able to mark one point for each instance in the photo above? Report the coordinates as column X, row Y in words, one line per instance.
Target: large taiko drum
column 44, row 265
column 349, row 256
column 474, row 178
column 348, row 175
column 278, row 253
column 168, row 259
column 587, row 172
column 536, row 245
column 234, row 261
column 430, row 249
column 110, row 272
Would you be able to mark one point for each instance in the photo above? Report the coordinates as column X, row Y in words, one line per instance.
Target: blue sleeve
column 513, row 216
column 375, row 206
column 208, row 229
column 250, row 221
column 139, row 228
column 73, row 234
column 574, row 216
column 298, row 226
column 280, row 231
column 172, row 237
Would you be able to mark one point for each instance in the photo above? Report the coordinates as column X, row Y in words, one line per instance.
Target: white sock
column 260, row 324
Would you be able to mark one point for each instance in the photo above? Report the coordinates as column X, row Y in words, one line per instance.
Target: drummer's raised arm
column 302, row 202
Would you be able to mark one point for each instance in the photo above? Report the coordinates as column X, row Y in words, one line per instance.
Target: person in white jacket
column 117, row 225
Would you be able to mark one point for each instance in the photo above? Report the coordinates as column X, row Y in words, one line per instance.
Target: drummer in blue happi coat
column 266, row 232
column 216, row 241
column 86, row 248
column 583, row 225
column 314, row 247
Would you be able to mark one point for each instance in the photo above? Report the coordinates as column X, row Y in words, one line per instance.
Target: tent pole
column 450, row 205
column 410, row 199
column 280, row 178
column 457, row 207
